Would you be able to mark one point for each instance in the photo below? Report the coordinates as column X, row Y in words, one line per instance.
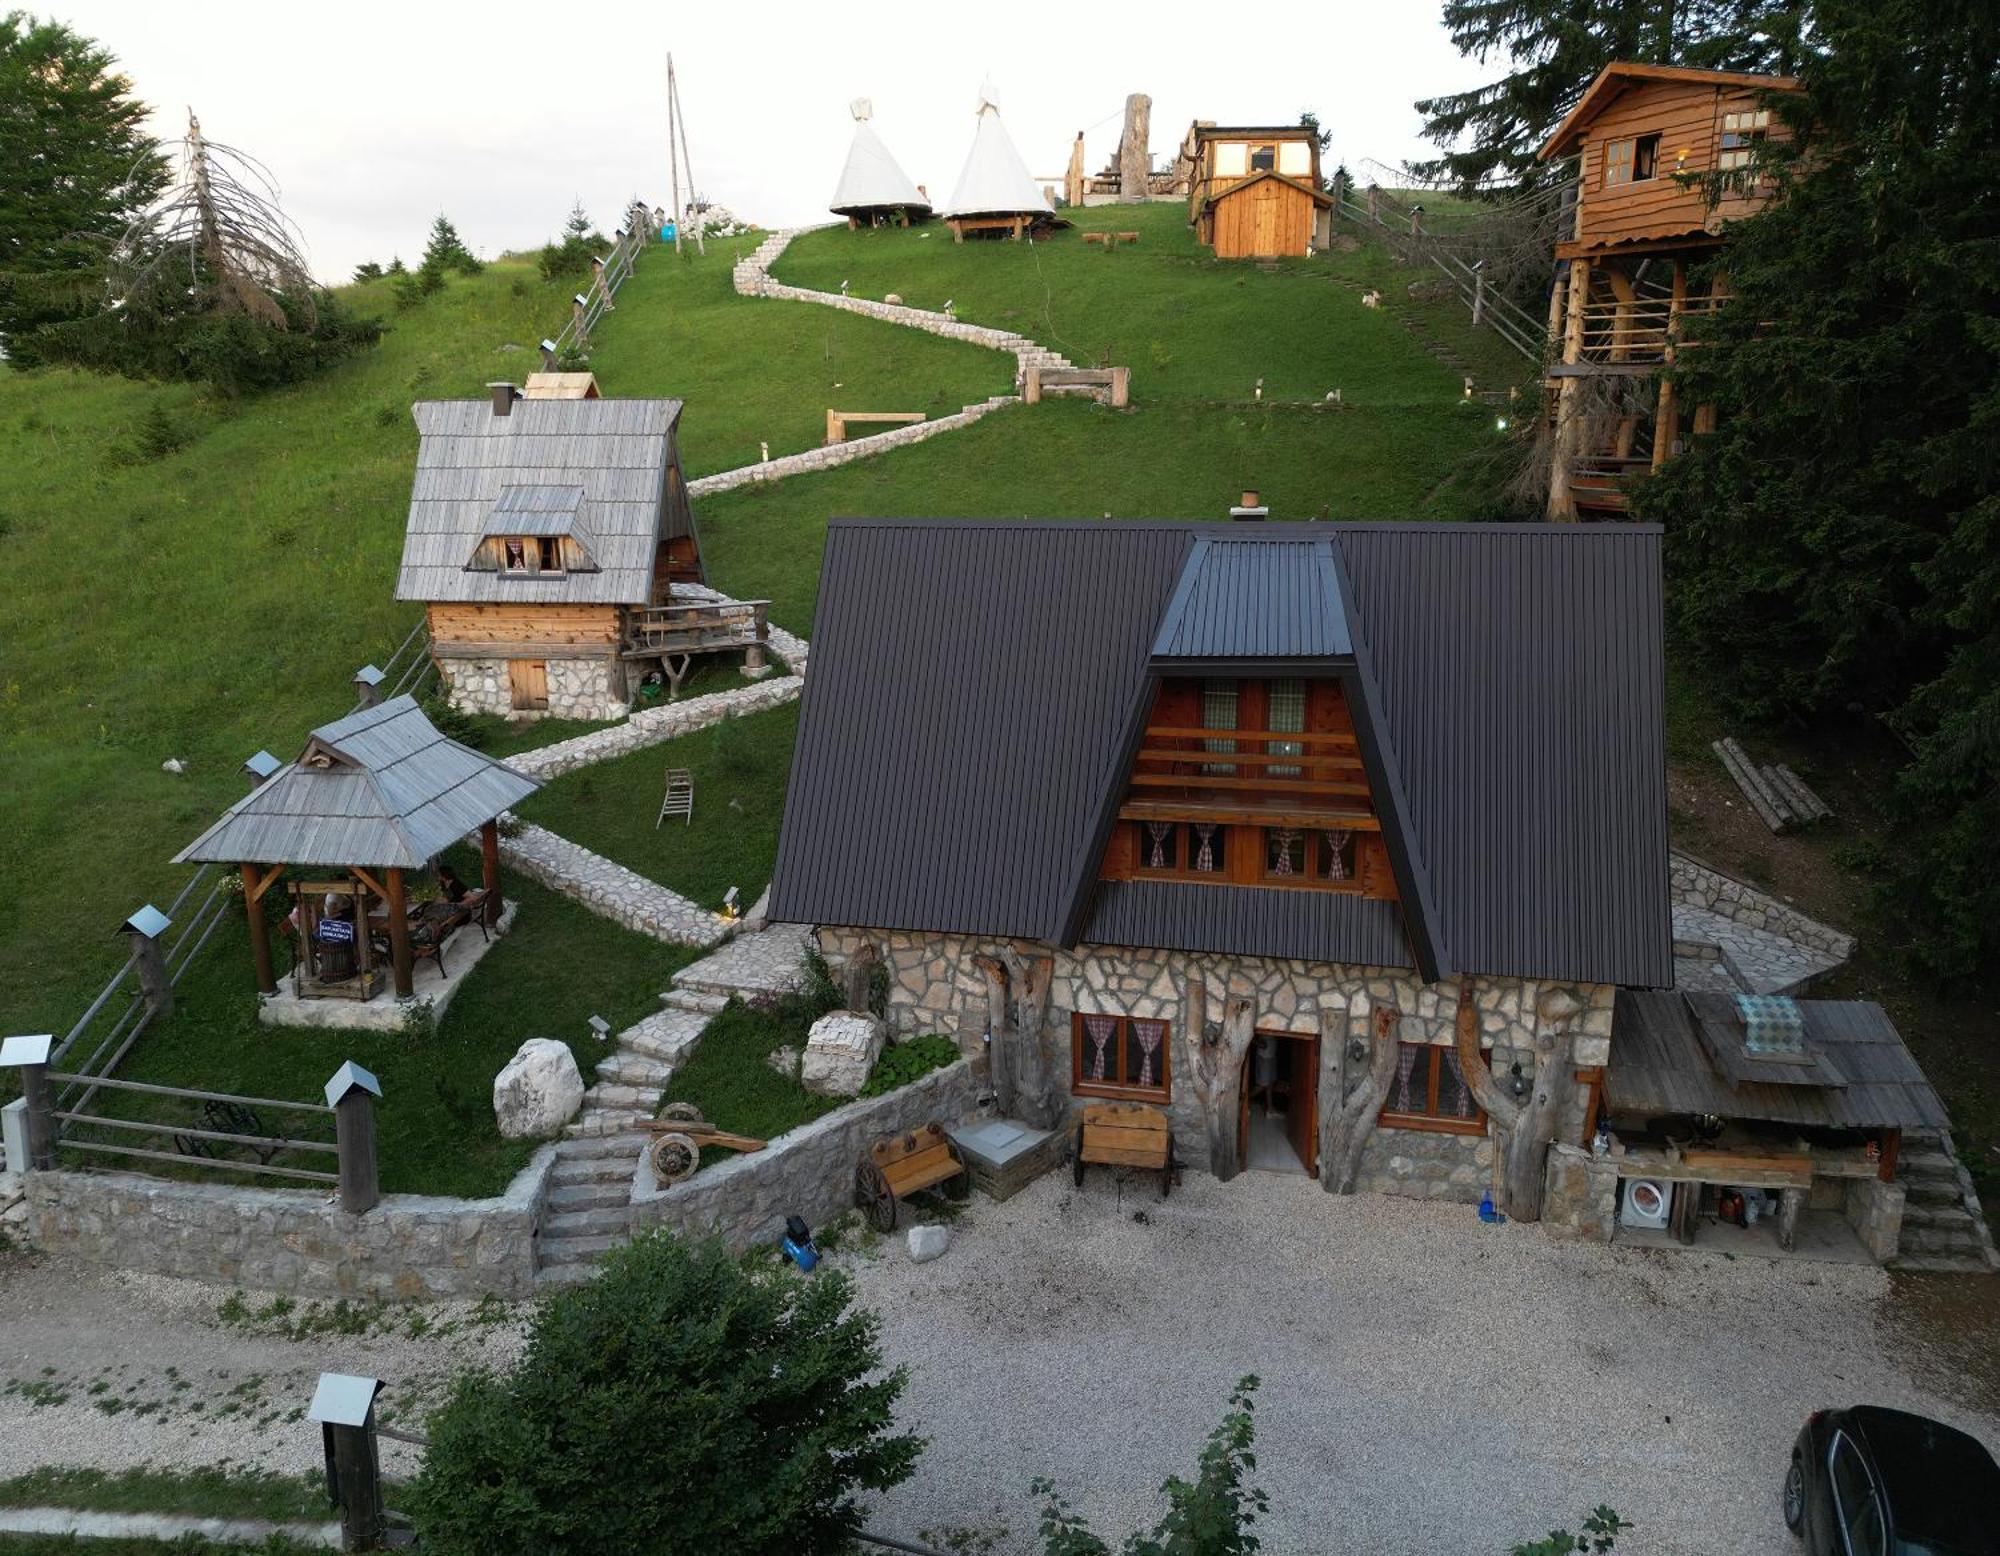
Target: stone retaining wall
column 1694, row 884
column 608, row 888
column 846, row 453
column 807, row 1172
column 650, row 726
column 295, row 1240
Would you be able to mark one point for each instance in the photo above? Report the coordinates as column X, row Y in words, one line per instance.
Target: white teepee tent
column 872, row 181
column 994, row 180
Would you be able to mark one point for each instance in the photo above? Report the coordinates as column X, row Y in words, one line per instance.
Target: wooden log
column 1215, row 1072
column 1769, row 808
column 1803, row 799
column 354, row 1134
column 1135, row 160
column 260, row 929
column 1791, row 1202
column 1347, row 1119
column 154, row 985
column 357, row 1483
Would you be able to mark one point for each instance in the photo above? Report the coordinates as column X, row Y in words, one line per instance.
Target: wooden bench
column 892, row 1169
column 1125, row 1134
column 1107, row 239
column 1110, row 386
column 836, row 421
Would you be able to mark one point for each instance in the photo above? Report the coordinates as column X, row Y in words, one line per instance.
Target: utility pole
column 677, row 151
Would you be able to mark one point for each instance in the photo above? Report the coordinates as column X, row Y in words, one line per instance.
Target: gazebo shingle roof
column 381, row 789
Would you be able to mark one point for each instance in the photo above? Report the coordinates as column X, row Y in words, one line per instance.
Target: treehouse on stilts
column 1666, row 157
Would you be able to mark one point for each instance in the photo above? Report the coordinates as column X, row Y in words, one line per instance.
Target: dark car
column 1875, row 1482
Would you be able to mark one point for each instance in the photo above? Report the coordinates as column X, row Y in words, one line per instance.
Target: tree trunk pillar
column 399, row 932
column 858, row 977
column 260, row 928
column 1215, row 1070
column 489, row 865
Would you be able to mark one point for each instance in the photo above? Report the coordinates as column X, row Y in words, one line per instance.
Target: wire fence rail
column 607, row 275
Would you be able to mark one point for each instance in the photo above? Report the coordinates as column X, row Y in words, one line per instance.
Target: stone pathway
column 669, row 721
column 601, row 1156
column 608, row 888
column 1747, row 960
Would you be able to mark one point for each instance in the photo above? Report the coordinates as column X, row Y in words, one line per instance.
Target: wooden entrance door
column 1264, row 240
column 528, row 680
column 1298, row 1076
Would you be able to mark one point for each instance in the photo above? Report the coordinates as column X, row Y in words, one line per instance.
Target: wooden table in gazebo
column 372, row 798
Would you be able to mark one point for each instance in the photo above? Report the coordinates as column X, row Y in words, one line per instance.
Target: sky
column 375, row 117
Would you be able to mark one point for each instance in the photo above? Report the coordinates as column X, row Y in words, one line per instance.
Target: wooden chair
column 1125, row 1134
column 679, row 800
column 893, row 1169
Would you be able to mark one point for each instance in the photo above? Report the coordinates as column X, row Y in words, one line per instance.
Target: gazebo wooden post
column 399, row 932
column 489, row 863
column 260, row 929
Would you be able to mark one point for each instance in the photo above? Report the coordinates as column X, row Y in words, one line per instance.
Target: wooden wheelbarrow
column 682, row 1133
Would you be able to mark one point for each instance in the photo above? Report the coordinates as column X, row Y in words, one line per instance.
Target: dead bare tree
column 1522, row 1128
column 219, row 240
column 1348, row 1119
column 1027, row 1082
column 1214, row 1071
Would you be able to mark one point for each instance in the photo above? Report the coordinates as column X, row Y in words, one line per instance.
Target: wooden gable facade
column 1255, row 192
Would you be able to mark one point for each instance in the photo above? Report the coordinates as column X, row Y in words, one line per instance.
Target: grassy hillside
column 202, row 601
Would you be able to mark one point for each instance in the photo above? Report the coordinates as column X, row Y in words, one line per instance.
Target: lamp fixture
column 1519, row 1084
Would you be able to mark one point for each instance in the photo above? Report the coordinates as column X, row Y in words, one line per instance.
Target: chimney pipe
column 504, row 396
column 1249, row 511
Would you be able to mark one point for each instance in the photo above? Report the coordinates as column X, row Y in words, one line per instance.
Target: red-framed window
column 1120, row 1056
column 1428, row 1091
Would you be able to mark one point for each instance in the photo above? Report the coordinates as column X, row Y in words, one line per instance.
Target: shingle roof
column 1660, row 1065
column 380, row 788
column 613, row 451
column 976, row 687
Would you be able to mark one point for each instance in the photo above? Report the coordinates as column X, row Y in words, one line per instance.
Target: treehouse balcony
column 1633, row 334
column 1597, row 482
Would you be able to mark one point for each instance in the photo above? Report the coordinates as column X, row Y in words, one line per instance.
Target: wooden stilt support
column 489, row 863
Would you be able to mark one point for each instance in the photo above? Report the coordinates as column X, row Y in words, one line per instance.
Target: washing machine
column 1646, row 1203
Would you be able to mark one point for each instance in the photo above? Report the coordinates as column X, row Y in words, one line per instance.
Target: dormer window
column 513, row 556
column 530, row 554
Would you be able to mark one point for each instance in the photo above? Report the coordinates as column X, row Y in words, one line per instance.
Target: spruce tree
column 1552, row 49
column 446, row 251
column 75, row 167
column 1834, row 546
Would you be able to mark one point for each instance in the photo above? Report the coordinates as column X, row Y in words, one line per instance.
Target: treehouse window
column 1741, row 133
column 1119, row 1056
column 1631, row 161
column 1428, row 1091
column 1263, row 158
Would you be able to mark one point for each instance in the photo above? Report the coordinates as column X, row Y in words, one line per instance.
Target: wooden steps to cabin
column 1776, row 793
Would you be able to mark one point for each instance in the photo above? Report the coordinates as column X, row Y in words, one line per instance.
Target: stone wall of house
column 1875, row 1210
column 294, row 1240
column 578, row 688
column 1694, row 884
column 808, row 1171
column 1581, row 1198
column 935, row 985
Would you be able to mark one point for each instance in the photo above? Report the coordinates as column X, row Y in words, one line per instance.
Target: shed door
column 529, row 681
column 1265, row 244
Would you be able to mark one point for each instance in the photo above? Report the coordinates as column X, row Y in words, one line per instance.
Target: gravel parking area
column 109, row 1371
column 1429, row 1384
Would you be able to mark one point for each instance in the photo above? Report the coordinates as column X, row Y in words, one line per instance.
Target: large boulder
column 538, row 1091
column 841, row 1049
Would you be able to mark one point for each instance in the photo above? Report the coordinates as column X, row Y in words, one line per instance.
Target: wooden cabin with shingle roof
column 546, row 537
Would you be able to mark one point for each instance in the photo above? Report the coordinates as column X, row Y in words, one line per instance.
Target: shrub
column 682, row 1401
column 160, row 433
column 902, row 1063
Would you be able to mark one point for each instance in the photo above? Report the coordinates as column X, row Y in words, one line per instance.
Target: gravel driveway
column 1430, row 1385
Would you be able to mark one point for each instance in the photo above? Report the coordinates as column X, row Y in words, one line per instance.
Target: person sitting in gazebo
column 449, row 884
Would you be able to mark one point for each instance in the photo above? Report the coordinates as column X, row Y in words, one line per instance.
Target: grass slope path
column 753, row 279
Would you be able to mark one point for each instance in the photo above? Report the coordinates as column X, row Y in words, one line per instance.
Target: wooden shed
column 1265, row 217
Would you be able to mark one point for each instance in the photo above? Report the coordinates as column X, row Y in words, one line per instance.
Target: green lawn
column 434, row 1127
column 753, row 371
column 739, row 769
column 202, row 1493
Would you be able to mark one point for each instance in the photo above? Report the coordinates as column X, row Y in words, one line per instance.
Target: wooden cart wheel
column 873, row 1194
column 675, row 1158
column 1076, row 1156
column 681, row 1113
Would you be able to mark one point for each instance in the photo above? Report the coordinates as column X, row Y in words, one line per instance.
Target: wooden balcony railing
column 696, row 627
column 1640, row 330
column 1597, row 482
column 1258, row 777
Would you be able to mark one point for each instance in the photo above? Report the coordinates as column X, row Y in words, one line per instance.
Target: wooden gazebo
column 373, row 796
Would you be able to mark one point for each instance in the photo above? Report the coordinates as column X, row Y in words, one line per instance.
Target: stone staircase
column 589, row 1207
column 1944, row 1227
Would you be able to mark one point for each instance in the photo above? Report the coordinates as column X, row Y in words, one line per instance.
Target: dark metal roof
column 1319, row 926
column 1520, row 681
column 976, row 685
column 1660, row 1065
column 380, row 788
column 1269, row 598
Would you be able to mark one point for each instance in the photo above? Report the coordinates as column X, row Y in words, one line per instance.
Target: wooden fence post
column 30, row 1055
column 351, row 1094
column 581, row 331
column 1478, row 291
column 344, row 1407
column 143, row 929
column 1374, row 203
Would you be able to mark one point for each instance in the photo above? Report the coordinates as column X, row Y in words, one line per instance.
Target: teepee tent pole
column 673, row 155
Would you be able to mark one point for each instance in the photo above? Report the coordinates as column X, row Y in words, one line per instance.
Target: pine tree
column 1835, row 543
column 75, row 166
column 1554, row 48
column 446, row 251
column 368, row 270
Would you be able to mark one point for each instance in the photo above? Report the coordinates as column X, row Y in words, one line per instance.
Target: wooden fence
column 607, row 275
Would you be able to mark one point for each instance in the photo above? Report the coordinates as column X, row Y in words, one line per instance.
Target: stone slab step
column 610, row 1167
column 597, row 1147
column 694, row 1000
column 668, row 1037
column 636, row 1099
column 606, row 1121
column 635, row 1070
column 1956, row 1240
column 1942, row 1264
column 1930, row 1192
column 557, row 1276
column 1931, row 1213
column 573, row 1250
column 598, row 1194
column 586, row 1225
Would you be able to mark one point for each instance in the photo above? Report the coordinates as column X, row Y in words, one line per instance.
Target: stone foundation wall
column 1875, row 1210
column 295, row 1241
column 1581, row 1198
column 934, row 985
column 578, row 688
column 807, row 1172
column 1696, row 885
